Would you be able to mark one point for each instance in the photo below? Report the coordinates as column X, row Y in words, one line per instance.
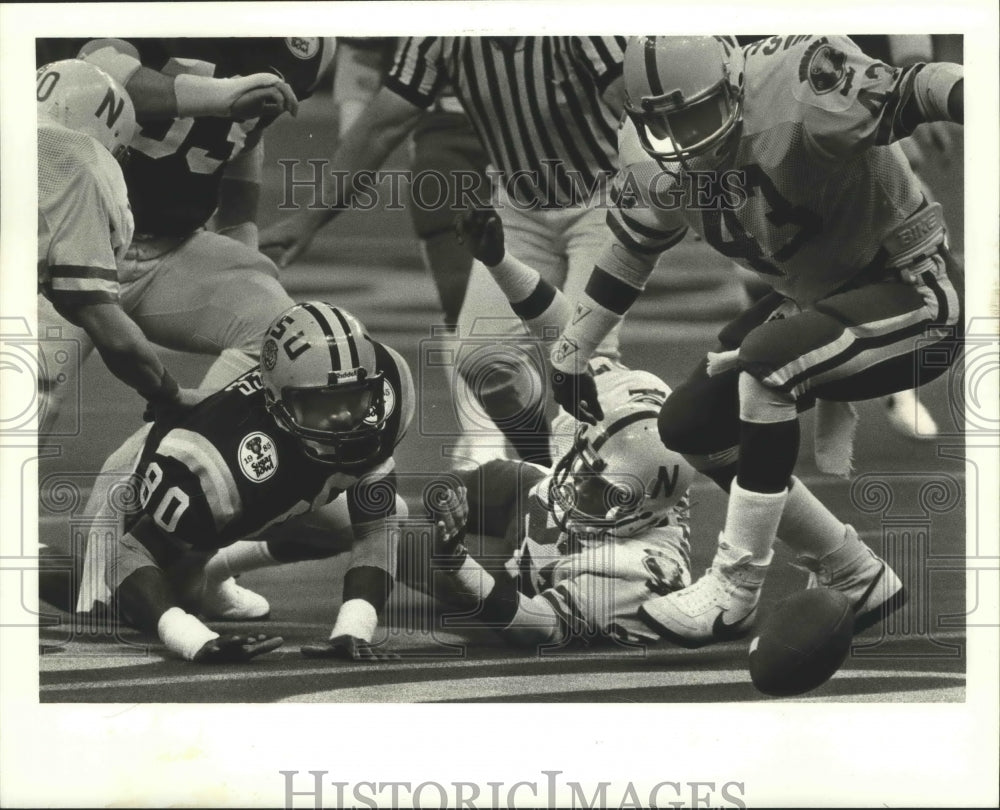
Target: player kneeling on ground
column 318, row 419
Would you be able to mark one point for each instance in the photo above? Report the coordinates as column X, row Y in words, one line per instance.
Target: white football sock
column 183, row 633
column 356, row 618
column 240, row 557
column 807, row 526
column 752, row 520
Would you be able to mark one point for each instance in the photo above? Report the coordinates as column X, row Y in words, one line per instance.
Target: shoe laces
column 712, row 589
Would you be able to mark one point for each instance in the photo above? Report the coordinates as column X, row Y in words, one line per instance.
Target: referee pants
column 502, row 364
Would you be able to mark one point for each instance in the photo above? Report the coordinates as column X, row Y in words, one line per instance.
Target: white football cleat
column 908, row 416
column 229, row 602
column 720, row 606
column 862, row 576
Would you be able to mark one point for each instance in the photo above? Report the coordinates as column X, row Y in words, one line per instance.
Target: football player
column 595, row 537
column 85, row 125
column 783, row 156
column 202, row 106
column 313, row 429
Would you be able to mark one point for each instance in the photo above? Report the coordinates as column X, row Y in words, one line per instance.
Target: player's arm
column 126, row 351
column 874, row 104
column 502, row 607
column 360, row 65
column 378, row 130
column 157, row 96
column 370, row 577
column 177, row 512
column 540, row 305
column 640, row 228
column 604, row 59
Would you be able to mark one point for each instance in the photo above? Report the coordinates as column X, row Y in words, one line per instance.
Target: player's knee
column 507, row 384
column 262, row 299
column 691, row 425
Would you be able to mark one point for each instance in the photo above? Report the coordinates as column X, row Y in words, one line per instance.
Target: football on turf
column 802, row 643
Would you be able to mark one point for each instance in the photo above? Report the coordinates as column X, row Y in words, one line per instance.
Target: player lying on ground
column 593, row 538
column 318, row 420
column 85, row 124
column 782, row 156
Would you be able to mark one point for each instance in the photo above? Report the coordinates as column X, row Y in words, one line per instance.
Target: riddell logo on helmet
column 340, row 376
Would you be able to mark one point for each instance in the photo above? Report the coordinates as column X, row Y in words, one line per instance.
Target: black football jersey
column 224, row 470
column 176, row 165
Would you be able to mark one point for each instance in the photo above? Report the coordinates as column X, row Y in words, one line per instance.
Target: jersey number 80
column 173, row 503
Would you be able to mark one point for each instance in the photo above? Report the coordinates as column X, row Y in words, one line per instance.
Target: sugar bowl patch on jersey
column 258, row 456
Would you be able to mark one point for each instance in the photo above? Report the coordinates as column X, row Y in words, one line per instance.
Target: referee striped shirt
column 535, row 103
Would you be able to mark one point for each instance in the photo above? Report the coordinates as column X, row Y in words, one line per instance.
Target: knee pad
column 762, row 404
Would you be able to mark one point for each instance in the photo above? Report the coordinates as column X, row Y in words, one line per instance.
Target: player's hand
column 577, row 395
column 268, row 96
column 166, row 411
column 234, row 649
column 347, row 648
column 450, row 511
column 289, row 237
column 482, row 230
column 930, row 143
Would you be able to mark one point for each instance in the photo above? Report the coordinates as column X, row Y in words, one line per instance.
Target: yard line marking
column 556, row 684
column 192, row 675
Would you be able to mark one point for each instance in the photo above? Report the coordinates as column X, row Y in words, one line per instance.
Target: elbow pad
column 117, row 58
column 932, row 86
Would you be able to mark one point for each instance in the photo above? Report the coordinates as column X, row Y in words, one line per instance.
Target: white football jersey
column 818, row 184
column 84, row 219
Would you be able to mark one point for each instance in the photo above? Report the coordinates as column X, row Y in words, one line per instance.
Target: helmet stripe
column 336, row 358
column 352, row 344
column 652, row 71
column 621, row 424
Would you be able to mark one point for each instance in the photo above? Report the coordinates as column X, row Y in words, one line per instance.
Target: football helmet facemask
column 321, row 384
column 684, row 95
column 618, row 477
column 82, row 97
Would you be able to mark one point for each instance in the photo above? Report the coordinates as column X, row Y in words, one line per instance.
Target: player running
column 313, row 429
column 85, row 124
column 202, row 106
column 782, row 156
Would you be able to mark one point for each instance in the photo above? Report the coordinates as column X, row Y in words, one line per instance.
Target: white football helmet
column 82, row 97
column 321, row 384
column 684, row 94
column 618, row 476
